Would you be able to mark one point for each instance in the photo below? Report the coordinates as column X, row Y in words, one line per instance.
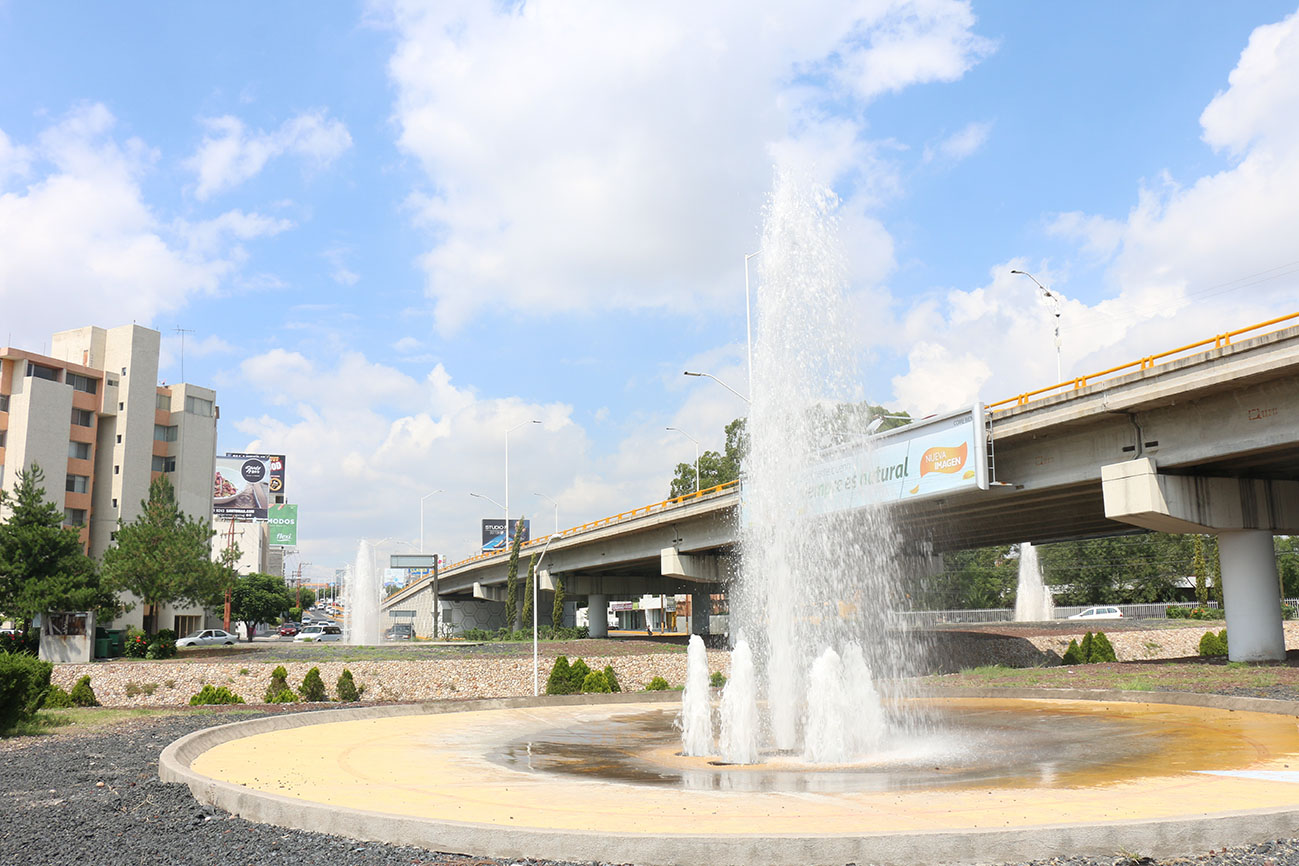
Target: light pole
column 421, row 517
column 720, row 382
column 696, row 441
column 506, row 534
column 554, row 503
column 1055, row 302
column 507, row 475
column 878, row 421
column 748, row 316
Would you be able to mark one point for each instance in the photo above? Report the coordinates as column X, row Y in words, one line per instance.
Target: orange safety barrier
column 1218, row 341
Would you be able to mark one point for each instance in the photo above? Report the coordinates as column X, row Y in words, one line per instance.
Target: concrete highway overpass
column 1204, row 438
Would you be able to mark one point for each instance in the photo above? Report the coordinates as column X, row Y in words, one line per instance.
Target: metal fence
column 1004, row 614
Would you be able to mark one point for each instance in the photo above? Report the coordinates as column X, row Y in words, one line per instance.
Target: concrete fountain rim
column 1162, row 837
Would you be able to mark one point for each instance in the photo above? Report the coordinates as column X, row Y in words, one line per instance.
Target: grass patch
column 83, row 719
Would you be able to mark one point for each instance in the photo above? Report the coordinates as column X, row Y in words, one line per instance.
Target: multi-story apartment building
column 93, row 416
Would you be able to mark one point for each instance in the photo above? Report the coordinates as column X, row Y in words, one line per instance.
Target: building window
column 164, row 434
column 83, row 417
column 40, row 371
column 162, row 401
column 4, row 402
column 121, row 407
column 111, row 381
column 79, row 450
column 164, row 464
column 198, row 406
column 117, row 470
column 83, row 383
column 74, row 517
column 114, row 503
column 77, row 484
column 3, row 434
column 119, row 438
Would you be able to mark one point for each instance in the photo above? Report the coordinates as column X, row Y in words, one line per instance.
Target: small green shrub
column 285, row 695
column 595, row 682
column 1085, row 648
column 717, row 679
column 1102, row 649
column 313, row 687
column 24, row 681
column 279, row 685
column 137, row 643
column 577, row 675
column 1208, row 613
column 214, row 695
column 1222, row 638
column 1072, row 655
column 658, row 684
column 82, row 694
column 611, row 678
column 348, row 692
column 1177, row 612
column 1287, row 611
column 27, row 643
column 162, row 645
column 243, row 672
column 1211, row 645
column 559, row 682
column 57, row 699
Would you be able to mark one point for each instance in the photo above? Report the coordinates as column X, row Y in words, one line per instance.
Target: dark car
column 401, row 631
column 288, row 630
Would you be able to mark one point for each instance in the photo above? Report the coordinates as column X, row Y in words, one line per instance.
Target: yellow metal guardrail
column 1218, row 341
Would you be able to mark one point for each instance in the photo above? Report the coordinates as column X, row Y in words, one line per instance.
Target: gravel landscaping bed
column 94, row 797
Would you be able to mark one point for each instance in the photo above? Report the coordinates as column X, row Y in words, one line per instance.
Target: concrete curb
column 1158, row 838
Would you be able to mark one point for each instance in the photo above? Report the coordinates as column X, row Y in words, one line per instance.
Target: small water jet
column 1033, row 601
column 739, row 713
column 696, row 719
column 362, row 594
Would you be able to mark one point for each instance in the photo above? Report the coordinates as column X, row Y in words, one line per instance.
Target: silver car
column 208, row 637
column 328, row 632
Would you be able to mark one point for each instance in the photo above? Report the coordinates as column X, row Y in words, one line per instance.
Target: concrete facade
column 94, row 417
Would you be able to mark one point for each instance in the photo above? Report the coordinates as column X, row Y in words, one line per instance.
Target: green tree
column 714, row 468
column 557, row 606
column 1201, row 571
column 42, row 564
column 974, row 579
column 526, row 613
column 163, row 555
column 257, row 598
column 1287, row 565
column 512, row 580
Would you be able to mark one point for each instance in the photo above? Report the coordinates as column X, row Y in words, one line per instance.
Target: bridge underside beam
column 1243, row 513
column 701, row 568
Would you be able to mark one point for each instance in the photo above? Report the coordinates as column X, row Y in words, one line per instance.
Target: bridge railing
column 1217, row 341
column 1155, row 610
column 642, row 511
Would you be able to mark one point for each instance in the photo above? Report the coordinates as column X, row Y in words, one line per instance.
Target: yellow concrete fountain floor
column 438, row 767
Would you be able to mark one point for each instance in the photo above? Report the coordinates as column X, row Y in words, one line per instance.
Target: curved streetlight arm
column 1055, row 302
column 720, row 382
column 421, row 516
column 696, row 441
column 505, row 533
column 554, row 503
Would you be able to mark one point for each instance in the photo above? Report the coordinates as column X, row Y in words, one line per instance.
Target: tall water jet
column 813, row 575
column 363, row 598
column 1033, row 601
column 696, row 720
column 740, row 722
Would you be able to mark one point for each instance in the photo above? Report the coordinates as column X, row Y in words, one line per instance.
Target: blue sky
column 397, row 230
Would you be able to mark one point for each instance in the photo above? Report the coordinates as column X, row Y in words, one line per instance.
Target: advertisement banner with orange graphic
column 935, row 456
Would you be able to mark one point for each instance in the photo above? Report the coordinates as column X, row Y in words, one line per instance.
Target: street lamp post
column 506, row 533
column 507, row 475
column 720, row 382
column 1055, row 302
column 554, row 503
column 696, row 441
column 748, row 316
column 878, row 421
column 421, row 517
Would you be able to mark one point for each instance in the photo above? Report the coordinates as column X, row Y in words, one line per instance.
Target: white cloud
column 585, row 155
column 340, row 272
column 961, row 144
column 79, row 244
column 15, row 161
column 231, row 154
column 1188, row 261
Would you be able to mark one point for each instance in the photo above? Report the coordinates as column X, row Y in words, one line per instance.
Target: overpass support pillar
column 701, row 605
column 1243, row 513
column 597, row 615
column 1251, row 596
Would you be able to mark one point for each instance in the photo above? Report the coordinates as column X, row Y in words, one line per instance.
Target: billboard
column 494, row 532
column 932, row 457
column 283, row 528
column 246, row 485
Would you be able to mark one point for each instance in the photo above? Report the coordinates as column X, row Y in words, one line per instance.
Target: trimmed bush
column 28, row 642
column 560, row 678
column 279, row 685
column 1177, row 612
column 1102, row 649
column 717, row 679
column 137, row 643
column 162, row 645
column 1072, row 655
column 658, row 684
column 611, row 678
column 313, row 687
column 1211, row 645
column 595, row 682
column 347, row 688
column 577, row 676
column 82, row 694
column 57, row 699
column 24, row 680
column 1222, row 638
column 1085, row 648
column 214, row 695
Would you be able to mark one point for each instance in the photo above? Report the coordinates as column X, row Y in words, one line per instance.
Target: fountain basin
column 584, row 779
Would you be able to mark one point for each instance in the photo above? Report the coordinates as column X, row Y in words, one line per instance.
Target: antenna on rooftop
column 182, row 332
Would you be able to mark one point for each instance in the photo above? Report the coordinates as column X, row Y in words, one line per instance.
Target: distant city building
column 92, row 415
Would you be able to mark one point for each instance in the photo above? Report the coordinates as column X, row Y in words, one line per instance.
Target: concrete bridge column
column 701, row 603
column 597, row 615
column 1251, row 596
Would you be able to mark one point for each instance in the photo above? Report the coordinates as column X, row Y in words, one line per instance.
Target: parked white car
column 319, row 633
column 1099, row 613
column 208, row 637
